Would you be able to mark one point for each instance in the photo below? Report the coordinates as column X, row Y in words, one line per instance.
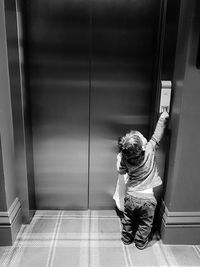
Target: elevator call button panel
column 165, row 97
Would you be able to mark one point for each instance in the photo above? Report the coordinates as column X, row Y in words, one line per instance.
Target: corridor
column 87, row 239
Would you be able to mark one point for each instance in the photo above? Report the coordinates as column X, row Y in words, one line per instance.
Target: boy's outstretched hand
column 164, row 115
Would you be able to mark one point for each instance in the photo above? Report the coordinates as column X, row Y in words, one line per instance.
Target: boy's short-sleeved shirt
column 145, row 175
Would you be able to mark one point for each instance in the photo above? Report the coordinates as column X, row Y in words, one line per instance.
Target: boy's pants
column 138, row 219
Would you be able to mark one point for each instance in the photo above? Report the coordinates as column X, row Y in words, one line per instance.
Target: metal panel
column 109, row 50
column 123, row 58
column 59, row 81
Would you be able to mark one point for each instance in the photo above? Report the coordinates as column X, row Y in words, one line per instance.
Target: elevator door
column 91, row 73
column 124, row 36
column 58, row 43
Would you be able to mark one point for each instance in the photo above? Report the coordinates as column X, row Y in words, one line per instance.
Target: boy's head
column 132, row 145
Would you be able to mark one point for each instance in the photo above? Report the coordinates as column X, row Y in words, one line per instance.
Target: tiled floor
column 87, row 239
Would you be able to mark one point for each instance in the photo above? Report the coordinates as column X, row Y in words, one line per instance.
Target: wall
column 10, row 208
column 170, row 38
column 19, row 108
column 17, row 203
column 3, row 205
column 181, row 209
column 17, row 198
column 6, row 114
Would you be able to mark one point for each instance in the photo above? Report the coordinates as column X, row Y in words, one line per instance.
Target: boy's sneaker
column 142, row 246
column 126, row 242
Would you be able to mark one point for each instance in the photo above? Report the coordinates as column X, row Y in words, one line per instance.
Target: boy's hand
column 164, row 115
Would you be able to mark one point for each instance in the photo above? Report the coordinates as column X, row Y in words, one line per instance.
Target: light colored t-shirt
column 144, row 177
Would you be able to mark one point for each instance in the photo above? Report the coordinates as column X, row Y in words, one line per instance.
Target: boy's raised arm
column 160, row 128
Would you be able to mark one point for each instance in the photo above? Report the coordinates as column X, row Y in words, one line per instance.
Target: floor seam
column 52, row 249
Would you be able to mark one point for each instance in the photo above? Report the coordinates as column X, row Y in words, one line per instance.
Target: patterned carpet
column 87, row 239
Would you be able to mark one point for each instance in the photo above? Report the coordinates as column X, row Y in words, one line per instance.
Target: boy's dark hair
column 132, row 148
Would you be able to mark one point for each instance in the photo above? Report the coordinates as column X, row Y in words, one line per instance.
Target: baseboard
column 180, row 227
column 10, row 223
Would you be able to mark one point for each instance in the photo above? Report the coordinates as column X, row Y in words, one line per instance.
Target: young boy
column 137, row 159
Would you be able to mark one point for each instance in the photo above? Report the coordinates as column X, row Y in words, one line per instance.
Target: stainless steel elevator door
column 91, row 72
column 124, row 40
column 58, row 42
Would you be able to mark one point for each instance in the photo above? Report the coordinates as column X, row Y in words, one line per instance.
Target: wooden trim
column 10, row 223
column 179, row 227
column 7, row 217
column 180, row 218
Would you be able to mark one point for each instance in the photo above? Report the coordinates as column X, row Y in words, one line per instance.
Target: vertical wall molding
column 10, row 223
